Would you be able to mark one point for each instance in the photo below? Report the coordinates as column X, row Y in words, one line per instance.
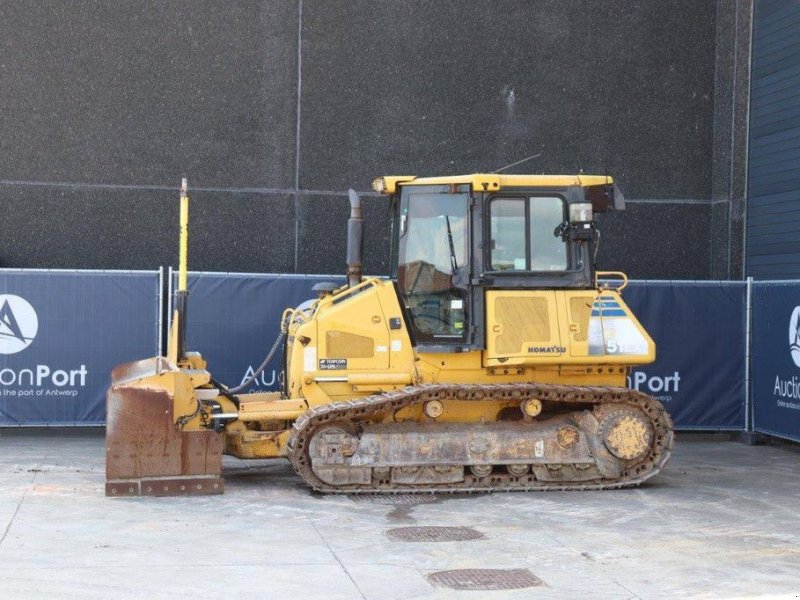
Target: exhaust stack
column 355, row 239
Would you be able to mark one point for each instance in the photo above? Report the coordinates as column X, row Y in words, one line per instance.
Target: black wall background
column 274, row 108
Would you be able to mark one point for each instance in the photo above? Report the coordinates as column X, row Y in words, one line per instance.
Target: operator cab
column 454, row 238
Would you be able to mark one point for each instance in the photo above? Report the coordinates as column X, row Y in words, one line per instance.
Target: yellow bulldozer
column 494, row 358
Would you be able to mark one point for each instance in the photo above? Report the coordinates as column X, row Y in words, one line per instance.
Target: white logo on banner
column 794, row 336
column 790, row 388
column 18, row 324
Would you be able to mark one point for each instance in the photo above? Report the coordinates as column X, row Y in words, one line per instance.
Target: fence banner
column 61, row 333
column 235, row 318
column 699, row 331
column 775, row 358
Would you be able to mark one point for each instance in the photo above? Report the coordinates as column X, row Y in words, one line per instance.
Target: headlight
column 379, row 185
column 580, row 213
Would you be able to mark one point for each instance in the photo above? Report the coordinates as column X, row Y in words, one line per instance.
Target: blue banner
column 61, row 333
column 234, row 319
column 775, row 358
column 699, row 331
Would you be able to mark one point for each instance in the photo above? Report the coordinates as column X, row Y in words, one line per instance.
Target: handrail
column 607, row 286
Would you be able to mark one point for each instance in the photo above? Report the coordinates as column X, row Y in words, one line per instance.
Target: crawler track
column 378, row 405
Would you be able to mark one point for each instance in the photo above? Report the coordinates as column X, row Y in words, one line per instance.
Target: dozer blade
column 146, row 453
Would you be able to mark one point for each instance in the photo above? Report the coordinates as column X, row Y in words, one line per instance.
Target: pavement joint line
column 19, row 505
column 338, row 560
column 14, row 516
column 634, row 594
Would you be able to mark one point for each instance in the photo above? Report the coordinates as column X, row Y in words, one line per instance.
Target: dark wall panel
column 104, row 105
column 322, row 246
column 98, row 228
column 656, row 241
column 243, row 232
column 424, row 87
column 142, row 92
column 721, row 256
column 65, row 228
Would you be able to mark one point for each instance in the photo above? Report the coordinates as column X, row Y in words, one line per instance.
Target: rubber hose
column 250, row 380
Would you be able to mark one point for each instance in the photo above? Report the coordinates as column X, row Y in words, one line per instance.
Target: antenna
column 516, row 163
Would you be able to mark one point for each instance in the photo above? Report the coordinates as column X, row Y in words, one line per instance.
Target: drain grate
column 485, row 579
column 433, row 534
column 395, row 499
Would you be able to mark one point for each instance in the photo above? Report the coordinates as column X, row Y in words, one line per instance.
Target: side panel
column 615, row 335
column 522, row 326
column 550, row 327
column 353, row 334
column 356, row 343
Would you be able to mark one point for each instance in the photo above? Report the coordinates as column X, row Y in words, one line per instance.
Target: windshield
column 433, row 263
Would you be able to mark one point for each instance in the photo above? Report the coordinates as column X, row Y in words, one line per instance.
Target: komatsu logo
column 794, row 336
column 18, row 324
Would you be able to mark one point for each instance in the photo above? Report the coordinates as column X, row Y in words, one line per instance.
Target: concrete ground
column 722, row 521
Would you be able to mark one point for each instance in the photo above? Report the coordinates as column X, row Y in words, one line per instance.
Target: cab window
column 522, row 234
column 433, row 263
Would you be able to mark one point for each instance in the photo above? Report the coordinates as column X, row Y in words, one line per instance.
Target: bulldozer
column 494, row 358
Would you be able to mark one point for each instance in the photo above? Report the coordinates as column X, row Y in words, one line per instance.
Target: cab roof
column 388, row 184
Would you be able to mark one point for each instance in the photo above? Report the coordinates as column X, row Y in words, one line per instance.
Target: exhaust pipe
column 355, row 239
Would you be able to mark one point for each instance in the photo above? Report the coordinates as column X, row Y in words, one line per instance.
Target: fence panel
column 775, row 358
column 234, row 318
column 699, row 330
column 61, row 333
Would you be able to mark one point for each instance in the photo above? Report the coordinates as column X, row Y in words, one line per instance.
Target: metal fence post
column 169, row 298
column 161, row 311
column 748, row 405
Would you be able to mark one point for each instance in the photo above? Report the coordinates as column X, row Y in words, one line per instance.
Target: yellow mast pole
column 176, row 349
column 184, row 242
